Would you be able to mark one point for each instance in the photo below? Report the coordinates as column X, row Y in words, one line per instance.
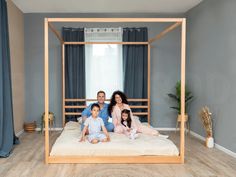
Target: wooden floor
column 27, row 159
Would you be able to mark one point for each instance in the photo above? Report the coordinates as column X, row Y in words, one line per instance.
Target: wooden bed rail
column 77, row 105
column 83, row 100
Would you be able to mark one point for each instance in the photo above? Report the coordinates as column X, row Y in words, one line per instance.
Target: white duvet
column 120, row 145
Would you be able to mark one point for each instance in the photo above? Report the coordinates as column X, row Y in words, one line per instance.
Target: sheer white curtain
column 104, row 64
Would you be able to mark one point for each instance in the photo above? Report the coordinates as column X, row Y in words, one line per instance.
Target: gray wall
column 211, row 67
column 164, row 66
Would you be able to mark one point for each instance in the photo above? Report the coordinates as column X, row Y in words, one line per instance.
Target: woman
column 117, row 105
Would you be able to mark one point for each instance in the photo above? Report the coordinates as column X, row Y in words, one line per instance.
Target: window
column 104, row 65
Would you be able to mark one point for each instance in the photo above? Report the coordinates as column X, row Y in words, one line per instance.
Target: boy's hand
column 82, row 139
column 108, row 138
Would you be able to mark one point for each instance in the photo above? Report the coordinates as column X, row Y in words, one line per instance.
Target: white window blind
column 104, row 65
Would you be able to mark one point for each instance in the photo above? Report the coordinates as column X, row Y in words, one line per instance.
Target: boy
column 94, row 124
column 101, row 96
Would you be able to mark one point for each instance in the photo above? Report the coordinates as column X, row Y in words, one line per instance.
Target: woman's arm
column 127, row 107
column 114, row 118
column 134, row 123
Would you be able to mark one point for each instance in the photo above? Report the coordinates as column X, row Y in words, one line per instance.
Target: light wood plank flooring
column 27, row 160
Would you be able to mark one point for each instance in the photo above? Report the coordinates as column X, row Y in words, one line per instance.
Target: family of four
column 95, row 118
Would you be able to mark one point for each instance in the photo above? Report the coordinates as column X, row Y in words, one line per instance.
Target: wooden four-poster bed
column 113, row 159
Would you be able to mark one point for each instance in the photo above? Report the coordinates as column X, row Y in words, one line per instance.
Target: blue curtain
column 135, row 62
column 7, row 135
column 135, row 65
column 74, row 66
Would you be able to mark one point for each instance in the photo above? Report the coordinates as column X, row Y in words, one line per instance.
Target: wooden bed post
column 46, row 92
column 149, row 82
column 163, row 33
column 183, row 58
column 57, row 34
column 63, row 84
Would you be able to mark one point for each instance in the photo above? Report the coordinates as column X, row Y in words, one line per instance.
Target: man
column 101, row 96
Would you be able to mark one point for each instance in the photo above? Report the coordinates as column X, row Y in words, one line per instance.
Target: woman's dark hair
column 113, row 101
column 129, row 120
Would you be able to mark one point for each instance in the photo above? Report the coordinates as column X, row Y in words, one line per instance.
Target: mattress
column 120, row 145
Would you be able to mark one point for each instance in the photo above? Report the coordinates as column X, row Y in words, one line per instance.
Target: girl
column 126, row 123
column 131, row 126
column 117, row 105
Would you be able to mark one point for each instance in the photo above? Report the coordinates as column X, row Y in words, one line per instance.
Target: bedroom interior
column 208, row 148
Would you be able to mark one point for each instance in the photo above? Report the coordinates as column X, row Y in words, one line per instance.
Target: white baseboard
column 51, row 129
column 227, row 151
column 166, row 129
column 197, row 136
column 20, row 133
column 217, row 146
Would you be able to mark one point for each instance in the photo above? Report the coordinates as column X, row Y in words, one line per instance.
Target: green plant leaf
column 188, row 99
column 177, row 96
column 173, row 96
column 175, row 108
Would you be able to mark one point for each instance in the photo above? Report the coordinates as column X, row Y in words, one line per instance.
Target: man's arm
column 84, row 118
column 86, row 113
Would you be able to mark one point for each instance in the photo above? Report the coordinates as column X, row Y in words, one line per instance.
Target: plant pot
column 186, row 122
column 185, row 118
column 30, row 127
column 210, row 142
column 50, row 117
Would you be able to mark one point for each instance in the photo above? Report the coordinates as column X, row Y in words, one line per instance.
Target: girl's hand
column 128, row 129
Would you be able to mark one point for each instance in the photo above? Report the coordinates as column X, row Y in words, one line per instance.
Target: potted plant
column 206, row 118
column 177, row 98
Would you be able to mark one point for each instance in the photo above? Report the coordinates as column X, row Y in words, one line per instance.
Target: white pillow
column 72, row 125
column 110, row 119
column 136, row 117
column 79, row 119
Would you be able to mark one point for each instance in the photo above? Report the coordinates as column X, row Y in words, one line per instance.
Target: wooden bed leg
column 183, row 58
column 46, row 63
column 63, row 83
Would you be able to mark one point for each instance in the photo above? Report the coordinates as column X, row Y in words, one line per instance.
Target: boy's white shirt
column 94, row 124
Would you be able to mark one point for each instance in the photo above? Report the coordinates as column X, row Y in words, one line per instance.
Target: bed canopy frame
column 112, row 159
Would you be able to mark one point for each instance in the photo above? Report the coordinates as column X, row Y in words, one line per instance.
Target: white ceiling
column 105, row 6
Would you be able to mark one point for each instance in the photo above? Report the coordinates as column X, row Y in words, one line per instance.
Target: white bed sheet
column 120, row 145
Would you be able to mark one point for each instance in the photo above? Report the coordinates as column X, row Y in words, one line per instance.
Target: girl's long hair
column 129, row 120
column 113, row 101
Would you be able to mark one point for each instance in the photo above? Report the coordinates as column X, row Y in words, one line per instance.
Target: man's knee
column 110, row 127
